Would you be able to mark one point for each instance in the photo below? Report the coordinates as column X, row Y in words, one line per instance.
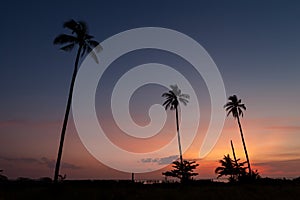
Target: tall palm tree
column 235, row 107
column 79, row 37
column 173, row 97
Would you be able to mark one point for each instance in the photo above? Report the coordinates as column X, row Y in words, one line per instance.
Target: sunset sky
column 255, row 45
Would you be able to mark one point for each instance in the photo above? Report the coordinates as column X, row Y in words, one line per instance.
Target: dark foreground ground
column 126, row 190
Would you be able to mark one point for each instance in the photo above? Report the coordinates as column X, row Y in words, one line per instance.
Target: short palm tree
column 230, row 168
column 235, row 107
column 173, row 97
column 79, row 37
column 226, row 168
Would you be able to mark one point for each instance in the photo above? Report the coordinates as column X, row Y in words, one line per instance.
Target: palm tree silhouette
column 173, row 97
column 85, row 44
column 230, row 168
column 236, row 107
column 226, row 168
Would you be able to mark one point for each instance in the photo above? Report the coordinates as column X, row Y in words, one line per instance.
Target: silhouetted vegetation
column 173, row 97
column 183, row 171
column 62, row 178
column 79, row 36
column 265, row 188
column 230, row 168
column 249, row 177
column 235, row 107
column 2, row 177
column 45, row 180
column 235, row 171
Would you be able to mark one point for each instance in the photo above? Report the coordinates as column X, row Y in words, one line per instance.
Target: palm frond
column 68, row 47
column 167, row 95
column 228, row 104
column 93, row 55
column 84, row 50
column 243, row 106
column 184, row 96
column 83, row 27
column 71, row 24
column 93, row 43
column 184, row 101
column 88, row 37
column 64, row 38
column 233, row 98
column 167, row 104
column 98, row 48
column 229, row 107
column 240, row 112
column 175, row 90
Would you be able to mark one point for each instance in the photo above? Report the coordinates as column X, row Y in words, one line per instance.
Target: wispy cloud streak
column 160, row 161
column 49, row 163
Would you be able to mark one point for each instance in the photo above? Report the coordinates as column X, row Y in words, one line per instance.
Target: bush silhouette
column 184, row 172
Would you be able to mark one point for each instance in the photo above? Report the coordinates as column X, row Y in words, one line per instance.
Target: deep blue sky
column 255, row 44
column 247, row 39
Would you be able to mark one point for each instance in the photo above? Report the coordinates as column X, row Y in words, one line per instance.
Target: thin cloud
column 51, row 163
column 289, row 155
column 281, row 163
column 160, row 161
column 289, row 167
column 146, row 160
column 42, row 161
column 283, row 128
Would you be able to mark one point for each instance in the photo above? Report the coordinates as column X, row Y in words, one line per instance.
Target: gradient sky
column 255, row 44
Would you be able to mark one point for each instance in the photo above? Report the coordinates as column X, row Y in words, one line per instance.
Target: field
column 126, row 190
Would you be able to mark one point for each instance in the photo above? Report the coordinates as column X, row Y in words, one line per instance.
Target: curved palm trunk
column 244, row 144
column 65, row 123
column 178, row 136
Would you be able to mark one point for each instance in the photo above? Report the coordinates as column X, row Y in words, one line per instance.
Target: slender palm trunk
column 132, row 177
column 244, row 144
column 178, row 136
column 233, row 152
column 65, row 123
column 236, row 171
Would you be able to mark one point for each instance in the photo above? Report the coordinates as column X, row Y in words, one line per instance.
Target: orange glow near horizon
column 261, row 145
column 270, row 148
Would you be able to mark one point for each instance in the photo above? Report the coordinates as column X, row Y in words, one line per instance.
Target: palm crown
column 226, row 168
column 79, row 37
column 235, row 106
column 173, row 97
